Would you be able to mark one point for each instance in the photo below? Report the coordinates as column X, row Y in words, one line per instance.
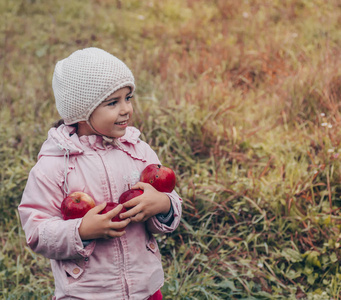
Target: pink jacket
column 122, row 268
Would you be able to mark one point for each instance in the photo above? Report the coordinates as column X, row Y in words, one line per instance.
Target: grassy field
column 240, row 98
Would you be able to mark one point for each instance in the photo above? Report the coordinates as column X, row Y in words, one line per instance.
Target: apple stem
column 128, row 186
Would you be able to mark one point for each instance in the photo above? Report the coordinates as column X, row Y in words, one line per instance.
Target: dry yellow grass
column 240, row 98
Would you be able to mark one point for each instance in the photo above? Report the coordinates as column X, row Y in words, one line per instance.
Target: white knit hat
column 84, row 79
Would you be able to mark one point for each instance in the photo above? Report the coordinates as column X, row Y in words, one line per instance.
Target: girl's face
column 111, row 117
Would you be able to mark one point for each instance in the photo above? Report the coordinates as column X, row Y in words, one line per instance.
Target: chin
column 118, row 134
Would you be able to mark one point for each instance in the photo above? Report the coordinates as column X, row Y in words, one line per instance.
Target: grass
column 240, row 98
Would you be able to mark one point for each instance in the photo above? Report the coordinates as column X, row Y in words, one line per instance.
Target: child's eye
column 128, row 98
column 112, row 103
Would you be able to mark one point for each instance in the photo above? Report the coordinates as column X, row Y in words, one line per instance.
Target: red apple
column 128, row 195
column 76, row 205
column 109, row 207
column 160, row 177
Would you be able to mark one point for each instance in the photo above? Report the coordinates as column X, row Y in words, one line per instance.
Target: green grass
column 240, row 98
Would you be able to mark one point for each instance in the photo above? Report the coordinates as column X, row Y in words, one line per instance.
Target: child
column 95, row 151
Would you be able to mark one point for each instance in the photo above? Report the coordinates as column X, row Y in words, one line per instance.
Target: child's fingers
column 131, row 212
column 133, row 202
column 97, row 209
column 117, row 228
column 114, row 212
column 140, row 217
column 120, row 224
column 141, row 185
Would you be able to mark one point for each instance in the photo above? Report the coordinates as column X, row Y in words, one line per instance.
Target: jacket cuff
column 86, row 243
column 166, row 218
column 156, row 226
column 84, row 248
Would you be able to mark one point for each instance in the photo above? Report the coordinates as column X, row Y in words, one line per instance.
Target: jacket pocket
column 73, row 271
column 152, row 246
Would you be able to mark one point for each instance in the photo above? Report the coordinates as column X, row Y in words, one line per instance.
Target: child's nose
column 125, row 108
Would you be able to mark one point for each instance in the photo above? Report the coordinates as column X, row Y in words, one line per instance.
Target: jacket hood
column 64, row 139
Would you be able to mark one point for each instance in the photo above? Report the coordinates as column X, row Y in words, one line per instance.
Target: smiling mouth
column 122, row 123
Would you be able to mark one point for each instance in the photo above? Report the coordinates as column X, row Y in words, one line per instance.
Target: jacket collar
column 64, row 138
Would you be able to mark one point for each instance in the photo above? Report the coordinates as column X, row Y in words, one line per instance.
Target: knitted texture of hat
column 84, row 79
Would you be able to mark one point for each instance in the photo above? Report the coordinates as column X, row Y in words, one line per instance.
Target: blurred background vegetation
column 240, row 98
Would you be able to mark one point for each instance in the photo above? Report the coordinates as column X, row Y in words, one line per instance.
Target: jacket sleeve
column 153, row 224
column 46, row 232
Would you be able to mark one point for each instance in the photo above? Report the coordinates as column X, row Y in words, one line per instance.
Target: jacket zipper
column 119, row 239
column 123, row 267
column 107, row 176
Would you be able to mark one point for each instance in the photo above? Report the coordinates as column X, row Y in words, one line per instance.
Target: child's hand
column 96, row 226
column 150, row 203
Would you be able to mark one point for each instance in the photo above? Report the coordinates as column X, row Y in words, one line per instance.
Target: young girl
column 95, row 151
